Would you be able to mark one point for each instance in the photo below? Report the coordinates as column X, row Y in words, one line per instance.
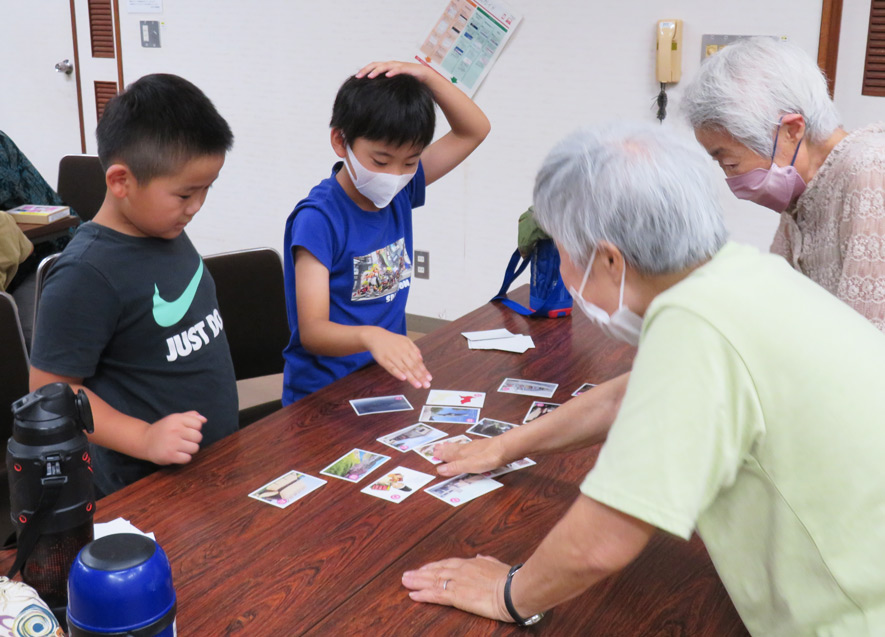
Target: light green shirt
column 755, row 413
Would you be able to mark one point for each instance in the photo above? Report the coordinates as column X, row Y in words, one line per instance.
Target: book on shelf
column 31, row 213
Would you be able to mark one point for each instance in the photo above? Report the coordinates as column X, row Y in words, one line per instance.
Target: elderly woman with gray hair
column 761, row 109
column 729, row 423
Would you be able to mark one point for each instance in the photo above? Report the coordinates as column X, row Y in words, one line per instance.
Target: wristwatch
column 531, row 621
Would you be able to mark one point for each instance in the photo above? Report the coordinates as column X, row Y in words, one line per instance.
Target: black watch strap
column 508, row 602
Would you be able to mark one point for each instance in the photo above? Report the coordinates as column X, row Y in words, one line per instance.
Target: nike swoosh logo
column 168, row 313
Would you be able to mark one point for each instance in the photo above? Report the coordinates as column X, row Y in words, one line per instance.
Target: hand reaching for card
column 399, row 356
column 473, row 457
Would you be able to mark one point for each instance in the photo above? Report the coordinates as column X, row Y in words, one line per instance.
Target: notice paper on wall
column 144, row 6
column 466, row 39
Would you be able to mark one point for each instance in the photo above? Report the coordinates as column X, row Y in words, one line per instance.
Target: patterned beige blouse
column 835, row 232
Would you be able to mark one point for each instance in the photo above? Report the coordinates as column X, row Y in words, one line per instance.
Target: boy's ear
column 119, row 180
column 338, row 143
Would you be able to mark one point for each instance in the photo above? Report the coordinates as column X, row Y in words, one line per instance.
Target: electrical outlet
column 422, row 265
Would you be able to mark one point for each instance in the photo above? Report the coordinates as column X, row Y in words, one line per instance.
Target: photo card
column 583, row 389
column 528, row 387
column 537, row 410
column 288, row 488
column 489, row 428
column 458, row 415
column 398, row 485
column 463, row 488
column 454, row 398
column 355, row 465
column 507, row 468
column 412, row 436
column 380, row 405
column 426, row 451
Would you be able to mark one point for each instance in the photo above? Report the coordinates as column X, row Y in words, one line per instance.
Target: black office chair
column 81, row 184
column 252, row 304
column 42, row 272
column 13, row 385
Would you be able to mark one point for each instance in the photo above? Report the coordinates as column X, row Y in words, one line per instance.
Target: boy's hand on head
column 399, row 356
column 473, row 457
column 394, row 67
column 174, row 439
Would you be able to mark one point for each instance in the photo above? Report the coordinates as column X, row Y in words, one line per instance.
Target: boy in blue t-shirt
column 348, row 244
column 128, row 311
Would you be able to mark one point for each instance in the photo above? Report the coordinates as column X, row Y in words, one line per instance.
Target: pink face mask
column 775, row 187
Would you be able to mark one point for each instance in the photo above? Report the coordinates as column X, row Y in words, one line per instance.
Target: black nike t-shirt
column 137, row 319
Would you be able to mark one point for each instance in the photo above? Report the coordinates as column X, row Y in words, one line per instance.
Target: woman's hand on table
column 473, row 457
column 473, row 585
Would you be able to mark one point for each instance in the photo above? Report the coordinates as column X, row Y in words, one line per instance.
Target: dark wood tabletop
column 331, row 562
column 38, row 232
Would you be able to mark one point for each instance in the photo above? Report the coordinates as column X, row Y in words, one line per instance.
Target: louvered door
column 874, row 64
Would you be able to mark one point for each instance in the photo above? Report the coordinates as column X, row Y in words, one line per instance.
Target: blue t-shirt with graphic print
column 369, row 258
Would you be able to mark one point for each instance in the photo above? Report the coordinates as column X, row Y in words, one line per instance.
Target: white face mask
column 624, row 324
column 379, row 188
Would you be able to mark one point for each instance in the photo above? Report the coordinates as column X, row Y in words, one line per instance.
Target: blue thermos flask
column 121, row 585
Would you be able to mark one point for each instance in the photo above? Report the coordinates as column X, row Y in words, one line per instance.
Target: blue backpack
column 548, row 296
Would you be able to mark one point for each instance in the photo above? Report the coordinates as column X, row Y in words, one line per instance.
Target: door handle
column 65, row 67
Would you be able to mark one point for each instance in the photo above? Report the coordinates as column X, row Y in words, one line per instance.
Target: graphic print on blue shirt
column 368, row 255
column 381, row 273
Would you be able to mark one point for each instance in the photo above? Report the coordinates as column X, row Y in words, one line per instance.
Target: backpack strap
column 510, row 275
column 32, row 529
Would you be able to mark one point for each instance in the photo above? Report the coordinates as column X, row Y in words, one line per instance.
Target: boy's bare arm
column 469, row 124
column 394, row 352
column 171, row 440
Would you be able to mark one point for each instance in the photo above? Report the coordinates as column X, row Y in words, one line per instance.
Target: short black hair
column 157, row 124
column 397, row 110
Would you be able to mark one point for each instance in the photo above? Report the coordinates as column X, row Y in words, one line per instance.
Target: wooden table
column 331, row 563
column 40, row 232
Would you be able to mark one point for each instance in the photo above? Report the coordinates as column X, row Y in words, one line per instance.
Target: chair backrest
column 81, row 184
column 42, row 272
column 252, row 303
column 13, row 385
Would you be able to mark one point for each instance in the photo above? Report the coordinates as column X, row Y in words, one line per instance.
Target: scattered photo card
column 528, row 387
column 537, row 410
column 398, row 485
column 412, row 436
column 460, row 415
column 426, row 451
column 583, row 388
column 486, row 335
column 286, row 489
column 463, row 488
column 489, row 428
column 454, row 398
column 507, row 468
column 355, row 466
column 380, row 405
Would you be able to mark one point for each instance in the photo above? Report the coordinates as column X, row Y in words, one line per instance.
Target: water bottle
column 50, row 487
column 121, row 585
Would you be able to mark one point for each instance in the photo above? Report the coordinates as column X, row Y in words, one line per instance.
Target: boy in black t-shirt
column 128, row 312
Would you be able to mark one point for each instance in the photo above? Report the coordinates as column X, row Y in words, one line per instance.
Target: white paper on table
column 120, row 525
column 518, row 344
column 486, row 335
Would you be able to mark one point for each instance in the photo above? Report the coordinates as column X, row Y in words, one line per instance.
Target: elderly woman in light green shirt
column 752, row 414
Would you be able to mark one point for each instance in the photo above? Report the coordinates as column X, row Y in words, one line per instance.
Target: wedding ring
column 446, row 583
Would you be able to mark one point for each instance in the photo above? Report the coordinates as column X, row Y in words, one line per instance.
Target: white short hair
column 748, row 86
column 642, row 187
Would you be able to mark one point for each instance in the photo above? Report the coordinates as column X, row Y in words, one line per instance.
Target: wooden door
column 39, row 106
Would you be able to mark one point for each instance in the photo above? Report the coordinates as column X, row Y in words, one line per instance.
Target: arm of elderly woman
column 589, row 543
column 580, row 422
column 861, row 215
